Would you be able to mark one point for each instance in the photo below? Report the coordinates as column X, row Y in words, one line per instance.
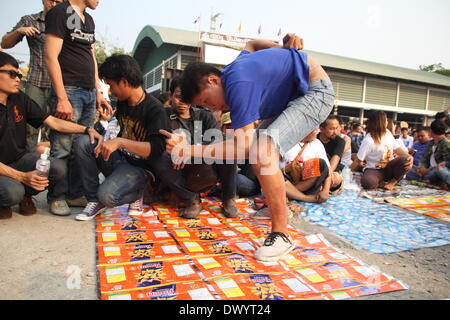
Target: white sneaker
column 136, row 209
column 275, row 247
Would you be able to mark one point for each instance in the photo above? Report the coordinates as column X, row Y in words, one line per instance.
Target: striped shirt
column 37, row 74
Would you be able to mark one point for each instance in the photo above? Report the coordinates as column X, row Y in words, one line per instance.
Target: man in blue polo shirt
column 282, row 86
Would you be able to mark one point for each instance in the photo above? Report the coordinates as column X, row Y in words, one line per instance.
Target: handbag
column 294, row 169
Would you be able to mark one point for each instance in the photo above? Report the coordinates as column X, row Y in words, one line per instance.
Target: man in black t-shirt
column 19, row 180
column 334, row 146
column 70, row 59
column 138, row 148
column 199, row 122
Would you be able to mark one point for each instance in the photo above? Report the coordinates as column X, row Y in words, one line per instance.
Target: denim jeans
column 247, row 187
column 433, row 176
column 83, row 104
column 12, row 191
column 124, row 182
column 40, row 96
column 444, row 175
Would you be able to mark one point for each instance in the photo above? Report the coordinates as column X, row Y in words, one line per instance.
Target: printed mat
column 160, row 256
column 376, row 227
column 436, row 207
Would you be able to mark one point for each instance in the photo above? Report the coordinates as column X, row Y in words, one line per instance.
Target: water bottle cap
column 44, row 156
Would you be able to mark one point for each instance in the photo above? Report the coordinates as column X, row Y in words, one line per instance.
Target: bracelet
column 86, row 131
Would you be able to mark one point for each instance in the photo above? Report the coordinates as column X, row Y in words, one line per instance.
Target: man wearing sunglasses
column 38, row 82
column 19, row 180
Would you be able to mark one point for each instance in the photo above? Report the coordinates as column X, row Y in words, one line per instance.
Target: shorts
column 301, row 116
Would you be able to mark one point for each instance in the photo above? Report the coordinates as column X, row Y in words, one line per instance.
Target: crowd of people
column 261, row 127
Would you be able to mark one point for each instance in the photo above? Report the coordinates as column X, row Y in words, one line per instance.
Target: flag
column 197, row 20
column 239, row 27
column 279, row 32
column 260, row 29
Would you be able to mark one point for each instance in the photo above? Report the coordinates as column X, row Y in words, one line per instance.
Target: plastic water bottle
column 113, row 130
column 43, row 165
column 347, row 176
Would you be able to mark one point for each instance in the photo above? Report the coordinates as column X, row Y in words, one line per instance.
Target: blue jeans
column 433, row 176
column 247, row 187
column 12, row 191
column 444, row 175
column 124, row 182
column 83, row 104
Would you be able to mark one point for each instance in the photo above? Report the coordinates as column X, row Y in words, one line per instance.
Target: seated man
column 408, row 141
column 138, row 147
column 314, row 189
column 421, row 145
column 196, row 121
column 286, row 89
column 435, row 157
column 334, row 147
column 19, row 180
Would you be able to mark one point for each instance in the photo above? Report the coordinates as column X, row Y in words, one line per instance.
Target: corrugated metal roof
column 379, row 69
column 191, row 39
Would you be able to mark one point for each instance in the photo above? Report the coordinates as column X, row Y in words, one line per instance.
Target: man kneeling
column 19, row 180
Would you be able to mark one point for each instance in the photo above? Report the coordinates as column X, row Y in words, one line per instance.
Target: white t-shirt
column 346, row 159
column 433, row 163
column 313, row 150
column 408, row 142
column 374, row 154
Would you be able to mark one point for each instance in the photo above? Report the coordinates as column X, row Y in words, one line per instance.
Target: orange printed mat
column 437, row 207
column 160, row 256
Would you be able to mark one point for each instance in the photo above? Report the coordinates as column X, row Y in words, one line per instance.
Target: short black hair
column 121, row 66
column 8, row 59
column 331, row 117
column 440, row 115
column 437, row 127
column 356, row 126
column 163, row 97
column 424, row 129
column 174, row 84
column 192, row 79
column 404, row 129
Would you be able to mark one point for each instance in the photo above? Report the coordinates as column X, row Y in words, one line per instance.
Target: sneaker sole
column 276, row 258
column 85, row 218
column 135, row 213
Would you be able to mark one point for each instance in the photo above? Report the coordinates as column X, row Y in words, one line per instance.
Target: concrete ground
column 51, row 258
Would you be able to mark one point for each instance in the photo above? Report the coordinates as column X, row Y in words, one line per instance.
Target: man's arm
column 71, row 127
column 100, row 101
column 31, row 179
column 142, row 149
column 290, row 41
column 12, row 38
column 53, row 46
column 232, row 149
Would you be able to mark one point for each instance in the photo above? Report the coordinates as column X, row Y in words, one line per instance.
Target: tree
column 436, row 68
column 103, row 50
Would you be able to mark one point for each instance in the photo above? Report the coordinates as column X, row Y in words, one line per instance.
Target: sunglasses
column 13, row 74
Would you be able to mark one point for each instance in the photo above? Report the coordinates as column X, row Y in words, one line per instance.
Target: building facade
column 361, row 87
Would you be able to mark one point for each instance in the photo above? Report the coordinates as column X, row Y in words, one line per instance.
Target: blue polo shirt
column 260, row 85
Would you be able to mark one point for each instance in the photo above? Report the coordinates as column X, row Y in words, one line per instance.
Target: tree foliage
column 436, row 68
column 103, row 50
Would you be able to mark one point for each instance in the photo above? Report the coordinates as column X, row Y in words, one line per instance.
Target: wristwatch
column 86, row 131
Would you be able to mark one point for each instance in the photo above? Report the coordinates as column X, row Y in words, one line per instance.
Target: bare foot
column 390, row 186
column 295, row 208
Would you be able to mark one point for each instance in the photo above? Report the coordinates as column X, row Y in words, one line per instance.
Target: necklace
column 142, row 98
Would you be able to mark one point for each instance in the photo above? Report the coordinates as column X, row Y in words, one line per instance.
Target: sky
column 405, row 33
